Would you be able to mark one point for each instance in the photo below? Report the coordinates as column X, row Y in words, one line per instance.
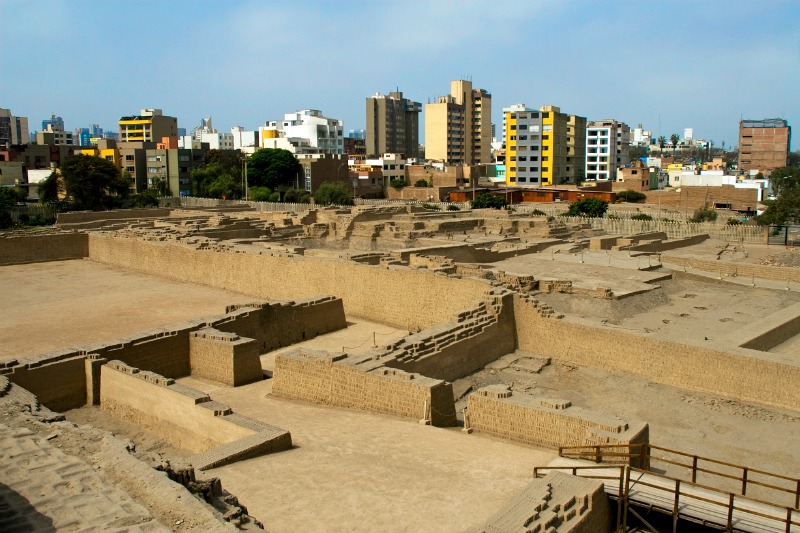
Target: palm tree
column 662, row 141
column 674, row 140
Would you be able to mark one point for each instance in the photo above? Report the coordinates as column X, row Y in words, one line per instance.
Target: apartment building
column 150, row 125
column 392, row 125
column 764, row 145
column 458, row 127
column 607, row 148
column 325, row 135
column 54, row 135
column 173, row 165
column 13, row 130
column 543, row 147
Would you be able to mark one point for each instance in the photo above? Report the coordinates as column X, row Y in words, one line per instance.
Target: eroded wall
column 402, row 298
column 186, row 418
column 739, row 373
column 548, row 423
column 332, row 379
column 42, row 248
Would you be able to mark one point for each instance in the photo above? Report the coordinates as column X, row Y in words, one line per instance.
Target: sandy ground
column 56, row 305
column 359, row 471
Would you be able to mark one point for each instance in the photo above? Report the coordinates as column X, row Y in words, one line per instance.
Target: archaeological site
column 216, row 366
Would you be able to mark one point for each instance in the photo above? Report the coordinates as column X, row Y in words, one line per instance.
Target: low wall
column 408, row 299
column 277, row 324
column 770, row 331
column 476, row 337
column 334, row 379
column 742, row 270
column 547, row 423
column 40, row 248
column 184, row 417
column 224, row 357
column 77, row 217
column 747, row 375
column 60, row 379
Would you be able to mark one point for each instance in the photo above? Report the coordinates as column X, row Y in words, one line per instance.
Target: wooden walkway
column 684, row 500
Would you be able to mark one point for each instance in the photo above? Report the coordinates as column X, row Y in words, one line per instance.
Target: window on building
column 523, row 169
column 130, row 169
column 513, row 169
column 545, row 169
column 545, row 137
column 153, row 170
column 513, row 127
column 523, row 127
column 128, row 158
column 534, row 169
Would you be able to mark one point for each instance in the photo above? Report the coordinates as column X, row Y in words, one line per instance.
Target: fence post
column 744, row 481
column 597, row 456
column 694, row 469
column 730, row 513
column 675, row 506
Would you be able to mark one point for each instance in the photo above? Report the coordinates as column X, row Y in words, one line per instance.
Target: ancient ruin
column 384, row 367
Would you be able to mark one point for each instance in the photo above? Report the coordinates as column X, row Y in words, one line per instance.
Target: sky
column 667, row 65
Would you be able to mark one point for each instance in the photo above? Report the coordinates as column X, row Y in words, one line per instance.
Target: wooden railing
column 680, row 491
column 695, row 464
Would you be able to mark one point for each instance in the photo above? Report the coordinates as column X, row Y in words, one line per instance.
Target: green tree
column 786, row 208
column 92, row 183
column 673, row 139
column 9, row 196
column 216, row 180
column 662, row 142
column 488, row 201
column 263, row 194
column 333, row 193
column 49, row 189
column 296, row 196
column 631, row 196
column 704, row 214
column 272, row 167
column 587, row 207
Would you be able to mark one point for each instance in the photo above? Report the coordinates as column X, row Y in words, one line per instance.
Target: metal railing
column 695, row 464
column 680, row 491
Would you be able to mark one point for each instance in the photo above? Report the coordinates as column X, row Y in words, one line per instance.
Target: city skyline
column 670, row 66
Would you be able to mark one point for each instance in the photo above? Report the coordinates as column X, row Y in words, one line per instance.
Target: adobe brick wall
column 743, row 270
column 224, row 357
column 476, row 337
column 547, row 423
column 184, row 417
column 41, row 248
column 57, row 379
column 334, row 379
column 77, row 217
column 737, row 373
column 556, row 503
column 66, row 379
column 409, row 299
column 277, row 324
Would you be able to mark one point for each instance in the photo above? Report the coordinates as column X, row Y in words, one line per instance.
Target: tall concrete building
column 150, row 125
column 458, row 127
column 764, row 144
column 305, row 127
column 13, row 130
column 392, row 125
column 607, row 148
column 544, row 147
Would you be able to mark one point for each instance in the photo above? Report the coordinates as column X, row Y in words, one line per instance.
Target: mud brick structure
column 547, row 422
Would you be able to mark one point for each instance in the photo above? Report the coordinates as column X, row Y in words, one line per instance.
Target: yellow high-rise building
column 458, row 127
column 544, row 147
column 151, row 125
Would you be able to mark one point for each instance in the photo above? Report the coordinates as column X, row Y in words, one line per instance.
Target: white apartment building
column 607, row 149
column 242, row 139
column 641, row 137
column 324, row 134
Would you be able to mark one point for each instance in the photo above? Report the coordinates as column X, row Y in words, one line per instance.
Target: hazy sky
column 667, row 65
